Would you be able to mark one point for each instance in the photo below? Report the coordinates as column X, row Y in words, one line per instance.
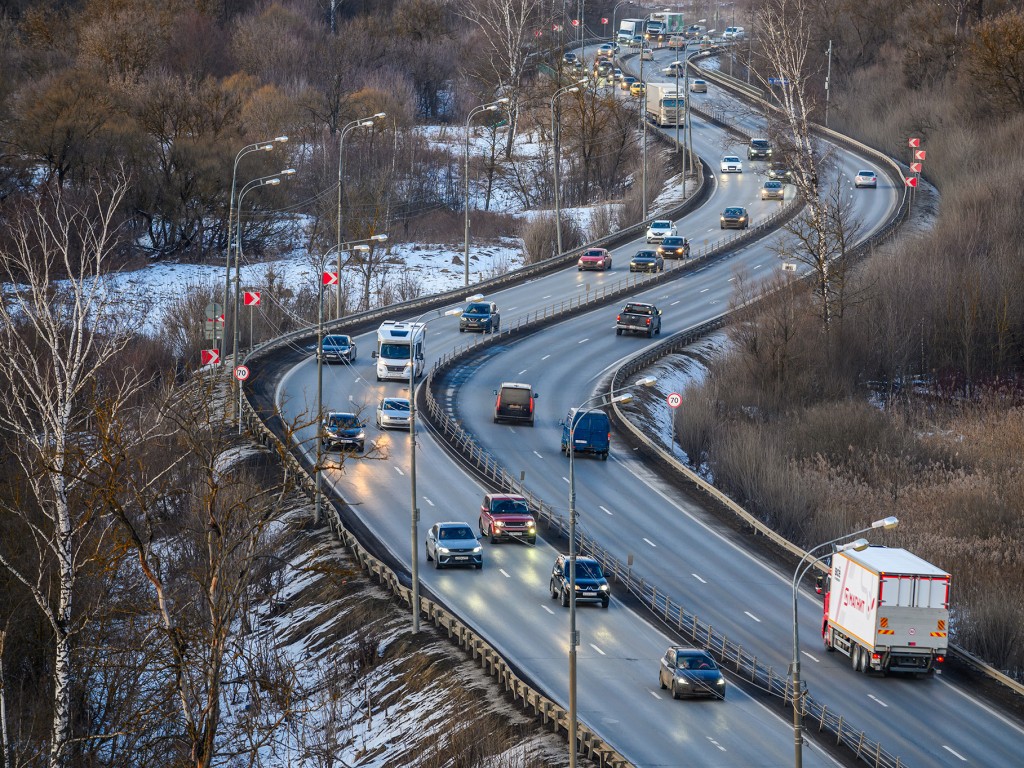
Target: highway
column 632, row 511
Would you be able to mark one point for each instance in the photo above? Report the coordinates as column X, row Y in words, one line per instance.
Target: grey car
column 647, row 261
column 773, row 190
column 453, row 544
column 690, row 672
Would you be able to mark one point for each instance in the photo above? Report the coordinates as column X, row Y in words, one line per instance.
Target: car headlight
column 477, row 550
column 721, row 681
column 682, row 680
column 443, row 550
column 604, row 587
column 531, row 526
column 498, row 523
column 360, row 435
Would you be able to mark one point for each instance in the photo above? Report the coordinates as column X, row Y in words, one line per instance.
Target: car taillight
column 498, row 404
column 531, row 405
column 940, row 659
column 618, row 318
column 648, row 321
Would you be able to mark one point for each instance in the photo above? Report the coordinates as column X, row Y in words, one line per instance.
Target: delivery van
column 587, row 432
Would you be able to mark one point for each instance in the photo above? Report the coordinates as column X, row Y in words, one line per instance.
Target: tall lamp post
column 259, row 146
column 618, row 5
column 577, row 415
column 555, row 121
column 363, row 122
column 412, row 455
column 356, row 245
column 643, row 126
column 490, row 107
column 264, row 181
column 801, row 569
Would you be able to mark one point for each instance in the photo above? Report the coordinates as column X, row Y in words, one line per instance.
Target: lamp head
column 886, row 523
column 379, row 238
column 365, row 123
column 287, row 172
column 272, row 182
column 453, row 312
column 267, row 147
column 646, row 381
column 362, row 248
column 503, row 100
column 857, row 545
column 380, row 116
column 625, row 397
column 281, row 139
column 475, row 297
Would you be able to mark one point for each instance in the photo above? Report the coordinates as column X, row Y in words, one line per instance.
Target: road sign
column 209, row 356
column 330, row 278
column 913, row 142
column 241, row 373
column 910, row 181
column 575, row 22
column 674, row 400
column 915, row 167
column 778, row 81
column 919, row 154
column 251, row 298
column 604, row 19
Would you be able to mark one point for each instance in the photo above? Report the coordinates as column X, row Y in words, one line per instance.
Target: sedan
column 674, row 69
column 659, row 230
column 699, row 86
column 690, row 672
column 675, row 248
column 773, row 190
column 339, row 348
column 453, row 544
column 865, row 179
column 731, row 164
column 780, row 172
column 616, row 73
column 594, row 258
column 393, row 413
column 647, row 261
column 734, row 217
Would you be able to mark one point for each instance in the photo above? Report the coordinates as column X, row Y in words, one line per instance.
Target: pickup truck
column 506, row 516
column 638, row 318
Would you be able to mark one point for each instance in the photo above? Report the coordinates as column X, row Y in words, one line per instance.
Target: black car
column 647, row 261
column 339, row 348
column 342, row 430
column 780, row 172
column 734, row 217
column 675, row 248
column 759, row 149
column 690, row 672
column 590, row 581
column 480, row 316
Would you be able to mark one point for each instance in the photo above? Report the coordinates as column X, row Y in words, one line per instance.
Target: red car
column 594, row 258
column 505, row 516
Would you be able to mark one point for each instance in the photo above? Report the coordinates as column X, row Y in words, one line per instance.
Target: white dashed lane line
column 537, row 455
column 753, row 616
column 651, row 542
column 399, row 471
column 698, row 578
column 878, row 700
column 504, row 573
column 598, row 649
column 605, row 509
column 547, row 609
column 954, row 752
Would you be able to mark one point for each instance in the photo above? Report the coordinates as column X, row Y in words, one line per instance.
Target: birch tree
column 63, row 326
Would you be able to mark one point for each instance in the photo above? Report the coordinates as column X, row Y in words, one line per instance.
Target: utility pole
column 828, row 78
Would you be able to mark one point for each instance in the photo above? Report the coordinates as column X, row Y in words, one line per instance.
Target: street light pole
column 643, row 124
column 412, row 455
column 801, row 570
column 574, row 420
column 363, row 122
column 555, row 121
column 476, row 110
column 615, row 32
column 259, row 146
column 263, row 181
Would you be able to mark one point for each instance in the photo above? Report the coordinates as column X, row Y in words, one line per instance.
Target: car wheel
column 661, row 681
column 379, row 378
column 604, row 603
column 552, row 590
column 532, row 541
column 618, row 331
column 563, row 597
column 675, row 694
column 494, row 539
column 353, row 357
column 361, row 448
column 479, row 566
column 462, row 330
column 429, row 558
column 497, row 327
column 650, row 333
column 437, row 563
column 604, row 456
column 855, row 658
column 658, row 332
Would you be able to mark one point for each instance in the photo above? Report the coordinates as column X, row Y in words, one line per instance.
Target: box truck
column 399, row 345
column 887, row 609
column 630, row 28
column 664, row 104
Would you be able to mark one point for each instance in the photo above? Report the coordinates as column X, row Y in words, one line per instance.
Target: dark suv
column 759, row 149
column 480, row 316
column 344, row 431
column 590, row 581
column 514, row 402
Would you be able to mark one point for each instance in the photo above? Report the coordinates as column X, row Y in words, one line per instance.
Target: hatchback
column 637, row 89
column 393, row 413
column 734, row 217
column 865, row 178
column 594, row 258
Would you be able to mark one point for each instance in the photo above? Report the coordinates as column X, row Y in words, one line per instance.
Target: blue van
column 591, row 432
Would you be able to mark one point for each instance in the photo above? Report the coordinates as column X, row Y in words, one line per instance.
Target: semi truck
column 887, row 609
column 629, row 28
column 399, row 346
column 654, row 29
column 664, row 104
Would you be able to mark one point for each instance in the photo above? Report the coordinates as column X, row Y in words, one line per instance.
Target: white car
column 674, row 69
column 647, row 55
column 659, row 230
column 733, row 33
column 393, row 413
column 731, row 164
column 865, row 178
column 698, row 86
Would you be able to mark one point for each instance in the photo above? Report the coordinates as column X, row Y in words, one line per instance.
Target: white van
column 733, row 33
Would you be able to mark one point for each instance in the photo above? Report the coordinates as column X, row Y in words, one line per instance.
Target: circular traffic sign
column 241, row 373
column 674, row 400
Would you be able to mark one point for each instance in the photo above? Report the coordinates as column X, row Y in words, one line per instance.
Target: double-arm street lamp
column 490, row 107
column 259, row 146
column 586, row 406
column 571, row 88
column 412, row 449
column 264, row 181
column 357, row 246
column 618, row 5
column 363, row 122
column 798, row 575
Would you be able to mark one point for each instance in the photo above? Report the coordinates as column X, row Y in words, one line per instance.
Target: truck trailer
column 664, row 104
column 888, row 610
column 629, row 28
column 399, row 346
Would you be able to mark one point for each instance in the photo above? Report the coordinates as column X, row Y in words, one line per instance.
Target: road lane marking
column 953, row 751
column 605, row 509
column 716, row 743
column 878, row 700
column 428, row 501
column 811, row 657
column 674, row 303
column 753, row 616
column 730, row 279
column 651, row 542
column 565, row 478
column 698, row 578
column 597, row 649
column 545, row 357
column 503, row 573
column 547, row 609
column 655, row 694
column 537, row 455
column 522, row 372
column 705, row 290
column 583, row 341
column 399, row 471
column 546, row 297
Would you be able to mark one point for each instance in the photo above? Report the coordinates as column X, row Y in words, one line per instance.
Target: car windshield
column 730, row 159
column 337, row 341
column 588, row 569
column 695, row 661
column 395, row 405
column 759, row 143
column 594, row 253
column 393, row 351
column 772, row 184
column 670, row 241
column 866, row 173
column 478, row 309
column 733, row 211
column 661, row 225
column 511, row 505
column 644, row 255
column 455, row 532
column 343, row 420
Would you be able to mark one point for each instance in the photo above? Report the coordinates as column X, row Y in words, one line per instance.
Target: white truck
column 629, row 28
column 887, row 609
column 665, row 104
column 399, row 345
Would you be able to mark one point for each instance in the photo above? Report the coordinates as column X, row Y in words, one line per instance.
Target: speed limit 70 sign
column 241, row 373
column 674, row 400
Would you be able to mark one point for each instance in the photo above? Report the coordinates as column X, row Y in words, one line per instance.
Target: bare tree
column 59, row 349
